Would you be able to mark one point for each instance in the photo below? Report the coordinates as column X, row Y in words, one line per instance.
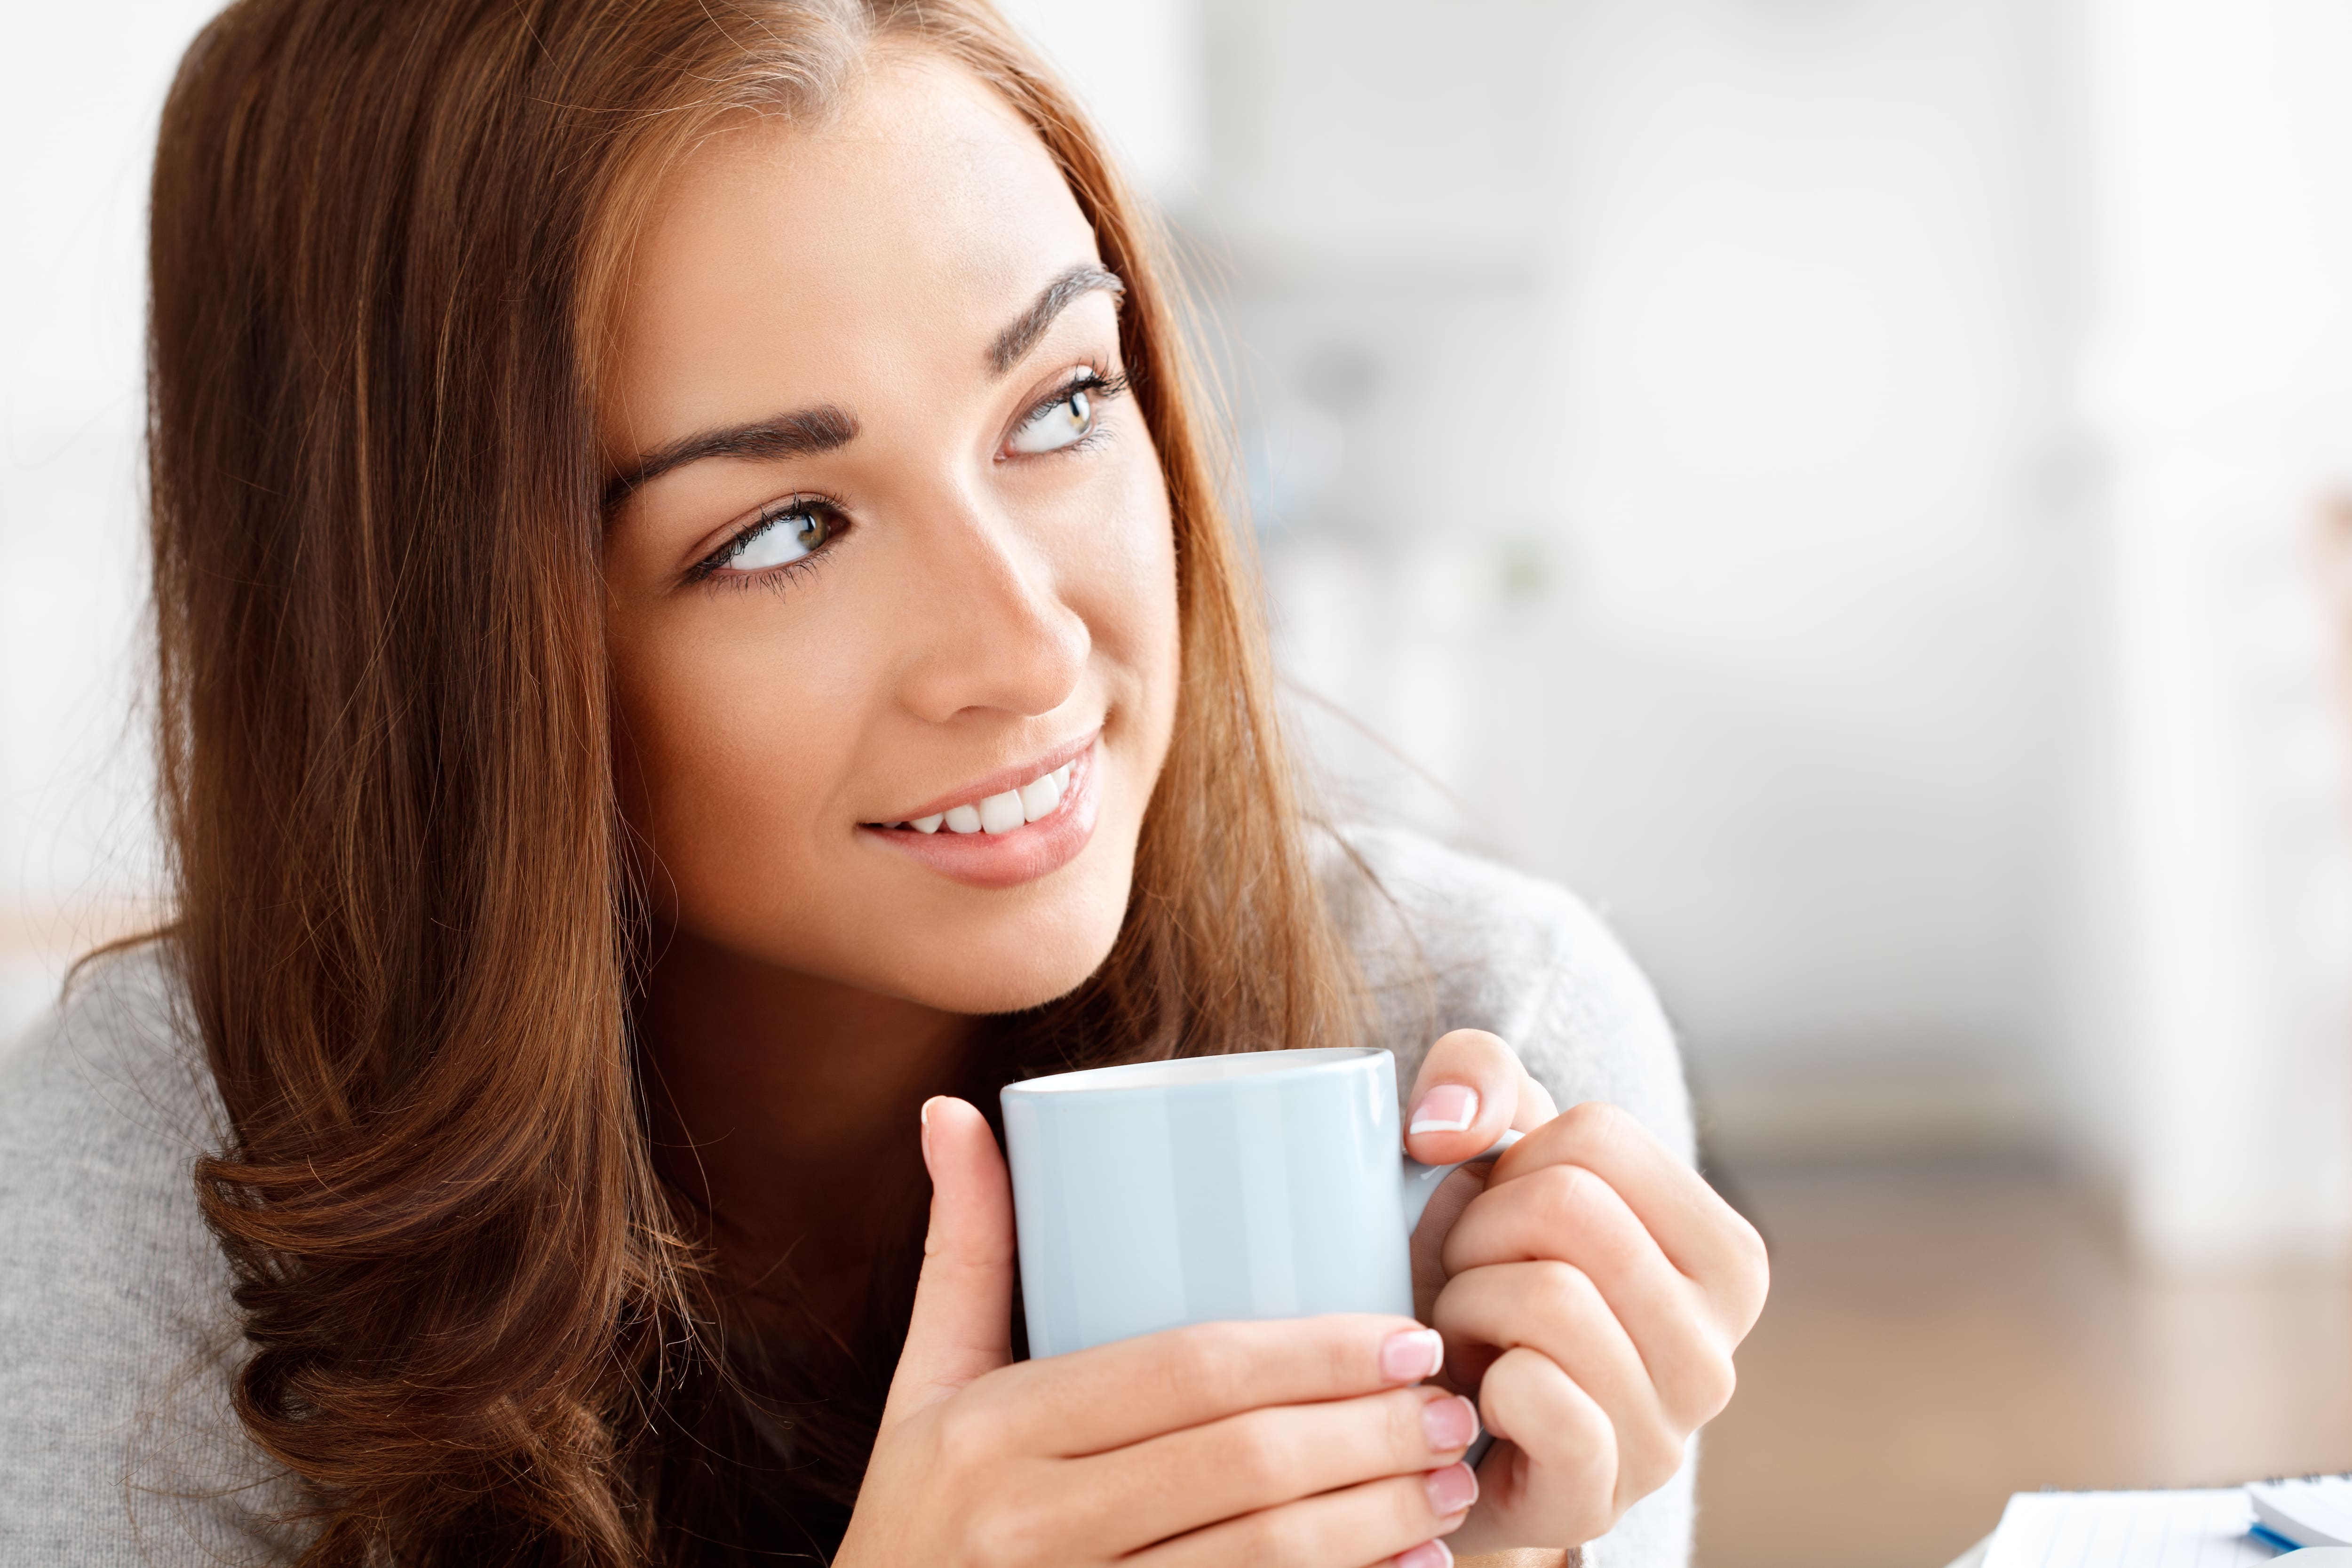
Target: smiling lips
column 1009, row 836
column 1003, row 813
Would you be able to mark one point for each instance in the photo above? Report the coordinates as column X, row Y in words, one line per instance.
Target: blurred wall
column 2211, row 964
column 80, row 91
column 1656, row 409
column 1857, row 488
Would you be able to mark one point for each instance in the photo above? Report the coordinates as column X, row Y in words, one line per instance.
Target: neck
column 788, row 1105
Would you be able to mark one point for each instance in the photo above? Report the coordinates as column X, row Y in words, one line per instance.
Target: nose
column 992, row 631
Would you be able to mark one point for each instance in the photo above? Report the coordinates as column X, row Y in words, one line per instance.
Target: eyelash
column 1096, row 381
column 711, row 571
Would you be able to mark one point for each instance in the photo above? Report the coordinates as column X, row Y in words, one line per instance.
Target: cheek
column 728, row 744
column 1131, row 609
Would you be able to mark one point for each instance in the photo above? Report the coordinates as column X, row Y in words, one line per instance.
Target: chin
column 1009, row 993
column 1007, row 952
column 1028, row 969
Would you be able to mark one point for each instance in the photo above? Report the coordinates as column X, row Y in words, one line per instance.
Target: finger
column 1090, row 1401
column 1453, row 1196
column 1366, row 1524
column 1152, row 1490
column 1568, row 1214
column 1701, row 1235
column 1469, row 1090
column 1552, row 1476
column 1554, row 1309
column 962, row 1322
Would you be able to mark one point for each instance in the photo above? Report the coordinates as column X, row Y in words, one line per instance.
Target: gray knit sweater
column 117, row 1335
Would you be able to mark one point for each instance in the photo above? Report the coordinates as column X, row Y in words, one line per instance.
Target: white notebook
column 2314, row 1511
column 2129, row 1529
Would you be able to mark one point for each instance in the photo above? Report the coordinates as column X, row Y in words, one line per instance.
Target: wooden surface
column 1939, row 1338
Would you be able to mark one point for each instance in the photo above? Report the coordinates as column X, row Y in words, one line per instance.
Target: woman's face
column 896, row 559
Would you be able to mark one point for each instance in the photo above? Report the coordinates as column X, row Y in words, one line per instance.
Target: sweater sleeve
column 117, row 1334
column 1450, row 941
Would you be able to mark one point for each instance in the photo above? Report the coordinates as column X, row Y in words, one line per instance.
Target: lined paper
column 2129, row 1529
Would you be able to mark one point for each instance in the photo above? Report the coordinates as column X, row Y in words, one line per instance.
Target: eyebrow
column 1015, row 342
column 825, row 427
column 803, row 433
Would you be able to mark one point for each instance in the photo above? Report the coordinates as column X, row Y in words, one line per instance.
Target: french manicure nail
column 1428, row 1554
column 1448, row 1423
column 1451, row 1490
column 1410, row 1356
column 1448, row 1107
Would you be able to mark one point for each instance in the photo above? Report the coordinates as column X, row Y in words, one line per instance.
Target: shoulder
column 1448, row 941
column 108, row 1086
column 105, row 1105
column 117, row 1332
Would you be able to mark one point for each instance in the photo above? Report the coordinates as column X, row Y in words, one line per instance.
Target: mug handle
column 1420, row 1180
column 1417, row 1183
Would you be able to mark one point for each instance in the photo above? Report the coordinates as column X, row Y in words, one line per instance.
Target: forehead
column 793, row 263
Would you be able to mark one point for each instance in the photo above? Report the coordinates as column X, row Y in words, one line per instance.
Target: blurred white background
column 76, row 845
column 1857, row 488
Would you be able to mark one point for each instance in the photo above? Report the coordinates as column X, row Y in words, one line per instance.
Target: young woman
column 696, row 642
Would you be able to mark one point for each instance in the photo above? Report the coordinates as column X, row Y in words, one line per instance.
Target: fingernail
column 925, row 1117
column 1449, row 1424
column 1428, row 1554
column 1451, row 1490
column 1411, row 1355
column 1448, row 1107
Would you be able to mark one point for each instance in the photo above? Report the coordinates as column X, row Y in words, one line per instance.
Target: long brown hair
column 384, row 234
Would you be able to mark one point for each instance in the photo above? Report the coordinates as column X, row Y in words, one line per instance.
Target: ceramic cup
column 1266, row 1184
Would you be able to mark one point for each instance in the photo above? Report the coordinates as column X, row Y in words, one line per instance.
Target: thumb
column 962, row 1324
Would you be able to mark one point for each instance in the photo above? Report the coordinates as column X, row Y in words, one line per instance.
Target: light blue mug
column 1262, row 1185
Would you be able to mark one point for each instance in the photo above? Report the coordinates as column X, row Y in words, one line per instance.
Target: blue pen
column 2269, row 1537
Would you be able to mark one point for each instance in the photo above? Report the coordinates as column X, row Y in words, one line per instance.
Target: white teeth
column 1039, row 796
column 1000, row 813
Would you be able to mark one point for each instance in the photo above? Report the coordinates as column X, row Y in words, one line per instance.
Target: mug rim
column 1092, row 1082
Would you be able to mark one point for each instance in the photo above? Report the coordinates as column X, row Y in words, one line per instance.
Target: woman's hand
column 1301, row 1444
column 1596, row 1282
